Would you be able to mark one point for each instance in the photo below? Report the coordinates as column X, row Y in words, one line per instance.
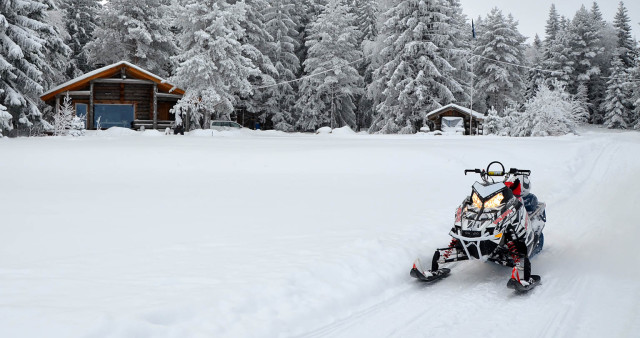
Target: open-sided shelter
column 120, row 94
column 473, row 120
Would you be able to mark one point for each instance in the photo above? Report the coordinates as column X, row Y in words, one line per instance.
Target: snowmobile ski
column 431, row 276
column 520, row 287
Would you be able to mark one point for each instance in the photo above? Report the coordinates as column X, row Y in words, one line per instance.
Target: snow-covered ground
column 264, row 234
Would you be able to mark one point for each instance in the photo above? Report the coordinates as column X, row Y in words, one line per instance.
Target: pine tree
column 617, row 102
column 499, row 84
column 415, row 76
column 280, row 25
column 626, row 45
column 134, row 31
column 24, row 57
column 80, row 22
column 328, row 98
column 212, row 66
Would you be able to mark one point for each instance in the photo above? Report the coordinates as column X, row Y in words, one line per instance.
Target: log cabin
column 122, row 95
column 473, row 120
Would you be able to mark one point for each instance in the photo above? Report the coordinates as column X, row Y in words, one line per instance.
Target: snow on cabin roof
column 467, row 111
column 106, row 68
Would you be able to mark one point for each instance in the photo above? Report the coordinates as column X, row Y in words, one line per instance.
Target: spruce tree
column 28, row 43
column 500, row 82
column 80, row 21
column 258, row 45
column 626, row 45
column 328, row 98
column 212, row 66
column 280, row 25
column 135, row 31
column 551, row 30
column 535, row 75
column 617, row 102
column 415, row 76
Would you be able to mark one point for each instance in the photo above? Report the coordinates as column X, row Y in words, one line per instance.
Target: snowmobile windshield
column 485, row 191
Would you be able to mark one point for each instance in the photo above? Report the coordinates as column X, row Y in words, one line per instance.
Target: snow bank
column 116, row 131
column 324, row 130
column 303, row 236
column 346, row 130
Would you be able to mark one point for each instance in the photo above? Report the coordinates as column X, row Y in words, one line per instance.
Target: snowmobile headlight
column 494, row 202
column 476, row 201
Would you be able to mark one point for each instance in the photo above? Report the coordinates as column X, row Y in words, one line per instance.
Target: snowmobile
column 500, row 222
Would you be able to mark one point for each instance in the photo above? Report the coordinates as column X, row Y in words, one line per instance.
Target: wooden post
column 155, row 106
column 90, row 108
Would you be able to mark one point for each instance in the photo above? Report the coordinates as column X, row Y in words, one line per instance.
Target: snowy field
column 263, row 234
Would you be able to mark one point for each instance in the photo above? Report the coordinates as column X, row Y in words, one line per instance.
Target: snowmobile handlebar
column 515, row 171
column 500, row 172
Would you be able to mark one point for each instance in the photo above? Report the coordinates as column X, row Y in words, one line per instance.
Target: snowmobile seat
column 530, row 202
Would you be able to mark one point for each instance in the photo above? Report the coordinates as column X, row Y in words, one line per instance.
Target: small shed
column 473, row 120
column 120, row 94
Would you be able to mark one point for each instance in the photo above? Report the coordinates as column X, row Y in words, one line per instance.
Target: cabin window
column 113, row 115
column 81, row 112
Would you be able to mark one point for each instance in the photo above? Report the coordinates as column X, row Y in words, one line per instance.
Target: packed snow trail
column 267, row 234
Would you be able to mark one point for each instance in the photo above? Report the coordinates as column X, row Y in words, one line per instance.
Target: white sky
column 533, row 14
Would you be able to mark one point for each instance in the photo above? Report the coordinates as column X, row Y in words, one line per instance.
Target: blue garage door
column 113, row 115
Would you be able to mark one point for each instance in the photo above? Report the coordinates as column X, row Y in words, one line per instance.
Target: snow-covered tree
column 57, row 52
column 581, row 105
column 551, row 30
column 549, row 113
column 583, row 47
column 28, row 43
column 5, row 121
column 63, row 117
column 499, row 83
column 80, row 21
column 627, row 47
column 258, row 45
column 535, row 75
column 135, row 31
column 366, row 12
column 327, row 94
column 280, row 25
column 415, row 75
column 617, row 102
column 212, row 66
column 493, row 124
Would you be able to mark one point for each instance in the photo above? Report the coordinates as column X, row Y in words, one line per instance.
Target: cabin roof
column 467, row 111
column 108, row 71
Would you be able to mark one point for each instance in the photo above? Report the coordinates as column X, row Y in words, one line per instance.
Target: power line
column 458, row 50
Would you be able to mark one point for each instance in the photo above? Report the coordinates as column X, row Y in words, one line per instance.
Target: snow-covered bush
column 493, row 123
column 548, row 113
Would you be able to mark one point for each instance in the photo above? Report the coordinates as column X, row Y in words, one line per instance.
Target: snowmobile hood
column 485, row 191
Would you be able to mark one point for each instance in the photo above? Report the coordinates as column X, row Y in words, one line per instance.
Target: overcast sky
column 533, row 14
